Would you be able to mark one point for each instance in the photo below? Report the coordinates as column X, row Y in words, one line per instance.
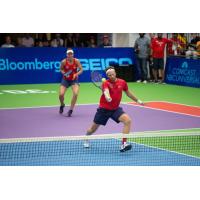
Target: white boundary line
column 176, row 103
column 125, row 103
column 86, row 104
column 98, row 103
column 162, row 110
column 149, row 146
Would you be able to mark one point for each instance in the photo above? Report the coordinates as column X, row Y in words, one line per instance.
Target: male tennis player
column 109, row 106
column 71, row 69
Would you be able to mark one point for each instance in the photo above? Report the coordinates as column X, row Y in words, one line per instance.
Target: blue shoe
column 61, row 109
column 69, row 114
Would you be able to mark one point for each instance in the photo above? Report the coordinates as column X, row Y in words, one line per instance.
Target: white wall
column 120, row 40
column 126, row 39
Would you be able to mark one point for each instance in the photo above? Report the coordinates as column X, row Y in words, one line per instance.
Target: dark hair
column 109, row 67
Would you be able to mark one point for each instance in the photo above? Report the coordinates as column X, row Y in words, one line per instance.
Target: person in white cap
column 109, row 107
column 70, row 68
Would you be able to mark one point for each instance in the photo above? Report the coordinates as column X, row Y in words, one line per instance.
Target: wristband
column 139, row 101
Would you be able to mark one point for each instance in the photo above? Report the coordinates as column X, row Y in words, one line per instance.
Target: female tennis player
column 109, row 107
column 71, row 69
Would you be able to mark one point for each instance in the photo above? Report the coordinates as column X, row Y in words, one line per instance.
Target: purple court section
column 46, row 122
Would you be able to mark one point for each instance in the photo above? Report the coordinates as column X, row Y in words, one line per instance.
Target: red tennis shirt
column 158, row 47
column 71, row 69
column 115, row 88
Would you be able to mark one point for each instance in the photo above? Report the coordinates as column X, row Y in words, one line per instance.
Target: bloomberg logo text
column 36, row 64
column 7, row 65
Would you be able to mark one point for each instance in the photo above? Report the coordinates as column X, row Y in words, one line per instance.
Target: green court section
column 32, row 95
column 188, row 145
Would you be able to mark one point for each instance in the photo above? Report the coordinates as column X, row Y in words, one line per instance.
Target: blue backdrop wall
column 182, row 71
column 42, row 65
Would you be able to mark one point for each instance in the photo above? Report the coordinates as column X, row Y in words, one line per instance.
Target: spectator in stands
column 57, row 41
column 46, row 43
column 92, row 42
column 150, row 60
column 106, row 42
column 152, row 36
column 38, row 43
column 198, row 48
column 183, row 43
column 195, row 39
column 27, row 41
column 8, row 42
column 77, row 41
column 174, row 46
column 142, row 45
column 19, row 42
column 69, row 41
column 158, row 45
column 191, row 51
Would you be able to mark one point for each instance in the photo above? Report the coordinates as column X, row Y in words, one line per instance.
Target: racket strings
column 96, row 78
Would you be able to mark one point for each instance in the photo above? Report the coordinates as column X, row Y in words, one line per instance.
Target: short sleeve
column 152, row 44
column 125, row 88
column 105, row 85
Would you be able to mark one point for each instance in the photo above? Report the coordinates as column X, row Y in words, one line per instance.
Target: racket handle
column 109, row 99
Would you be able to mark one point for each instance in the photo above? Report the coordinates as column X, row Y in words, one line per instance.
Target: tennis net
column 148, row 149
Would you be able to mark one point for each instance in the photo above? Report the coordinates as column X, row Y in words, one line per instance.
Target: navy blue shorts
column 102, row 115
column 158, row 63
column 67, row 83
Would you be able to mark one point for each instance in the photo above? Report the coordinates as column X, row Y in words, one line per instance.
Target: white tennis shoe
column 86, row 144
column 125, row 147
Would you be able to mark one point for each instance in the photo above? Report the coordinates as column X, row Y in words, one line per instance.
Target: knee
column 61, row 95
column 127, row 121
column 75, row 94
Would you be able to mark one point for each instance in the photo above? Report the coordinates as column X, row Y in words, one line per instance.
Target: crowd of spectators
column 152, row 50
column 55, row 40
column 178, row 45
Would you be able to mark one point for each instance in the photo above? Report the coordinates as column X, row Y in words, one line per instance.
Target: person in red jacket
column 174, row 47
column 70, row 68
column 109, row 106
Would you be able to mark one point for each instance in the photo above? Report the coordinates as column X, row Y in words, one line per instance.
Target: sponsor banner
column 42, row 65
column 182, row 71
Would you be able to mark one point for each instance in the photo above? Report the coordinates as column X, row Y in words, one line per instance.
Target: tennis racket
column 96, row 78
column 67, row 73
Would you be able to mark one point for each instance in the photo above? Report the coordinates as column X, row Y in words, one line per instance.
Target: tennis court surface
column 40, row 136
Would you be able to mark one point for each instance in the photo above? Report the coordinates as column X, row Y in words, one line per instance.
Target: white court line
column 52, row 106
column 161, row 109
column 100, row 136
column 88, row 104
column 175, row 103
column 167, row 150
column 170, row 130
column 98, row 103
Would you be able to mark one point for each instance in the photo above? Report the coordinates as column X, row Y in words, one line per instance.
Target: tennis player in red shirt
column 70, row 68
column 109, row 106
